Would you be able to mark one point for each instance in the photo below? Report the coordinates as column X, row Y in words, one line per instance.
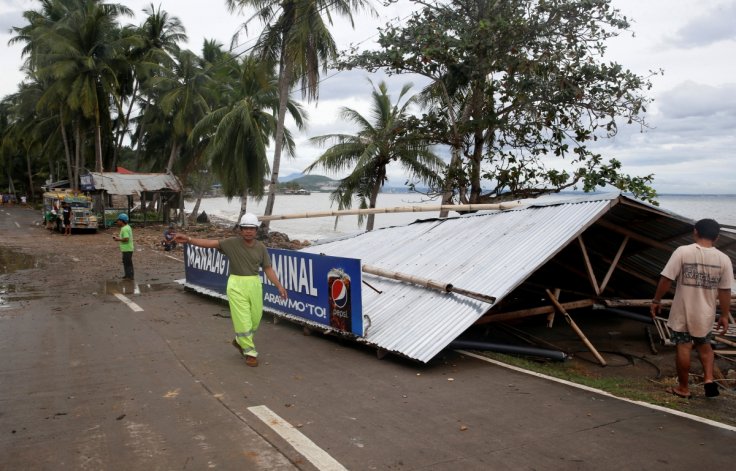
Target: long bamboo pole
column 575, row 327
column 427, row 283
column 398, row 209
column 513, row 315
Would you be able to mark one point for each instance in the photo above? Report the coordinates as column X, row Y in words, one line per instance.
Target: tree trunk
column 244, row 207
column 73, row 184
column 77, row 150
column 372, row 202
column 30, row 176
column 98, row 143
column 455, row 166
column 456, row 159
column 284, row 81
column 123, row 125
column 477, row 97
column 140, row 136
column 172, row 155
column 193, row 215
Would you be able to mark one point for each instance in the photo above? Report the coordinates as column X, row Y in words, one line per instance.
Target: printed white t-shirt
column 699, row 272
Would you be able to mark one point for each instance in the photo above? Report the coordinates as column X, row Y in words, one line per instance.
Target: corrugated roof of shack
column 496, row 252
column 134, row 183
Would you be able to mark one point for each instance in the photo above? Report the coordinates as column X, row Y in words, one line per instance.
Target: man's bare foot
column 677, row 392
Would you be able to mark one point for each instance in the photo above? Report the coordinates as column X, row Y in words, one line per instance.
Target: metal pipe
column 630, row 315
column 512, row 349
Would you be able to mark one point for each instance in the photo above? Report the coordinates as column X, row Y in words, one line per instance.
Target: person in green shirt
column 126, row 245
column 244, row 290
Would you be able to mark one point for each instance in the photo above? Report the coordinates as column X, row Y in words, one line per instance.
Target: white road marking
column 133, row 306
column 306, row 447
column 16, row 224
column 601, row 392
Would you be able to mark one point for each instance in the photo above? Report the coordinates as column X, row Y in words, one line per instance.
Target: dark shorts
column 684, row 337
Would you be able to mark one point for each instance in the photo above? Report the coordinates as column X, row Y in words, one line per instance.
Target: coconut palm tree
column 79, row 58
column 158, row 42
column 240, row 130
column 185, row 99
column 296, row 38
column 373, row 148
column 56, row 38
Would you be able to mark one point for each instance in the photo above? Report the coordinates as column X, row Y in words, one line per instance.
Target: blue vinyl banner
column 322, row 289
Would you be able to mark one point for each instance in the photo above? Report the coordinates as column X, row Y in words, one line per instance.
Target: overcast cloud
column 689, row 145
column 717, row 22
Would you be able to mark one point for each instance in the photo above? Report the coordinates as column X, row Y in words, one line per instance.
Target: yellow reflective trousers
column 245, row 295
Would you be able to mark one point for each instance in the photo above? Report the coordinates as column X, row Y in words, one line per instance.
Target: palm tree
column 297, row 39
column 373, row 148
column 160, row 35
column 240, row 130
column 185, row 100
column 40, row 36
column 79, row 59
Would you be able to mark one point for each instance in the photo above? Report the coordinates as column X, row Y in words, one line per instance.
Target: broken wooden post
column 575, row 327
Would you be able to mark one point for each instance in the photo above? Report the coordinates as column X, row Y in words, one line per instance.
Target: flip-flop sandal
column 674, row 392
column 711, row 389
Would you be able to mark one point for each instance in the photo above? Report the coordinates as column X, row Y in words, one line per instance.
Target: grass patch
column 630, row 388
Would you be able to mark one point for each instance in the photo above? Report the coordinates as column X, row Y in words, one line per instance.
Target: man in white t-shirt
column 703, row 274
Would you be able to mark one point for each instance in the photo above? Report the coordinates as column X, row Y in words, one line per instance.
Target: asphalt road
column 88, row 381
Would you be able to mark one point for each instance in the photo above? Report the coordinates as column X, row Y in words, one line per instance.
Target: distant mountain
column 312, row 182
column 291, row 177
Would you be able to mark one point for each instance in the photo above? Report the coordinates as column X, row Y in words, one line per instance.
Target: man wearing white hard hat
column 244, row 289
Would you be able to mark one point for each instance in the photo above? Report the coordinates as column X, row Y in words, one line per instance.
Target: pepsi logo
column 339, row 293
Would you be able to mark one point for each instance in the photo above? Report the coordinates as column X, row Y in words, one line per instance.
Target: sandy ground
column 41, row 263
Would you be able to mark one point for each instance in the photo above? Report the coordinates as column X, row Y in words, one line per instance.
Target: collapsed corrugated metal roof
column 130, row 183
column 512, row 256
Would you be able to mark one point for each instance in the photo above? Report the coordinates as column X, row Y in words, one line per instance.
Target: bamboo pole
column 615, row 302
column 536, row 311
column 427, row 283
column 589, row 266
column 616, row 259
column 398, row 209
column 551, row 315
column 575, row 327
column 724, row 341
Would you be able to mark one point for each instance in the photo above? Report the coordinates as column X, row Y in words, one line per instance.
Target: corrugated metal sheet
column 134, row 183
column 490, row 253
column 496, row 254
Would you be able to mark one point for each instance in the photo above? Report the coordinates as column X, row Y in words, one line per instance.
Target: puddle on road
column 12, row 295
column 11, row 261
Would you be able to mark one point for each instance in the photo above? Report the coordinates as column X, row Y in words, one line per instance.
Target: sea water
column 722, row 208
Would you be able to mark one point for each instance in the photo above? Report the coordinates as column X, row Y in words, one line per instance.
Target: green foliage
column 519, row 90
column 297, row 39
column 377, row 144
column 238, row 132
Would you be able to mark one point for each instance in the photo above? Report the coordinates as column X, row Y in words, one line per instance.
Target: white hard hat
column 249, row 220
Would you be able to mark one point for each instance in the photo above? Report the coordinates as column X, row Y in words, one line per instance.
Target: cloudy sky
column 690, row 146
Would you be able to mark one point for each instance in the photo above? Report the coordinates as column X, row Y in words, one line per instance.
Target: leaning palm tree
column 239, row 131
column 373, row 148
column 185, row 99
column 297, row 39
column 159, row 36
